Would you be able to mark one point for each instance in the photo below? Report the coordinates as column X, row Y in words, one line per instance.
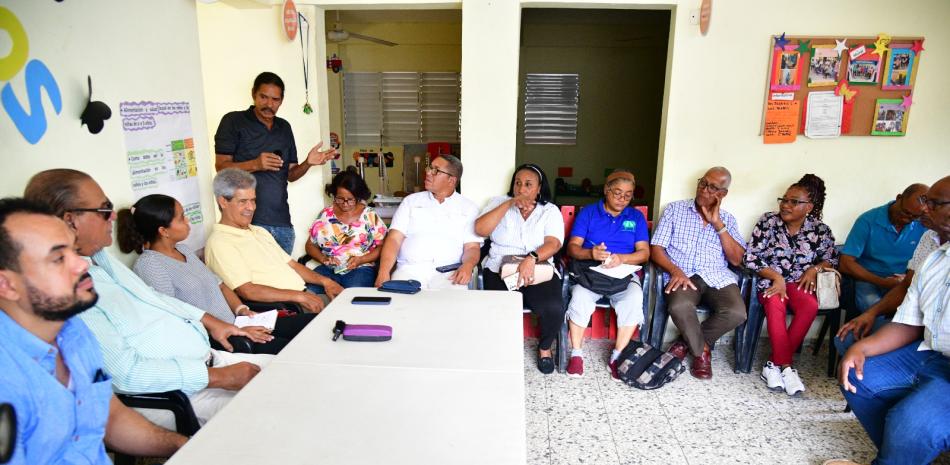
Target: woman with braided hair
column 787, row 249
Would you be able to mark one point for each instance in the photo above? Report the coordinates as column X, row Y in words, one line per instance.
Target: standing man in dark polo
column 257, row 141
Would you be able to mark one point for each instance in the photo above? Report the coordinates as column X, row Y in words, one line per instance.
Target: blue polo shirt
column 244, row 137
column 877, row 245
column 619, row 233
column 55, row 423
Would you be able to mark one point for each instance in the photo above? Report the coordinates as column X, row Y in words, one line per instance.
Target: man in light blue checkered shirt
column 694, row 243
column 897, row 381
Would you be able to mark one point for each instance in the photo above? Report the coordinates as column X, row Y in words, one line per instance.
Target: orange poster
column 781, row 121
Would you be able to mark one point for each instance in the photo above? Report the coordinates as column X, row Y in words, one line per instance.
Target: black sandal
column 546, row 365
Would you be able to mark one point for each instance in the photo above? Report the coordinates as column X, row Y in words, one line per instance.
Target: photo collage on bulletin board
column 827, row 87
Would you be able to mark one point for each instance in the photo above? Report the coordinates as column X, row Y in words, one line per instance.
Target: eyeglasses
column 435, row 170
column 933, row 204
column 702, row 184
column 619, row 194
column 792, row 202
column 342, row 201
column 106, row 211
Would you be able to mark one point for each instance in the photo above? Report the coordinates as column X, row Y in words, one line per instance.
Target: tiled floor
column 732, row 419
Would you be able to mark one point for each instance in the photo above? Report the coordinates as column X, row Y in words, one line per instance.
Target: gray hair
column 455, row 165
column 231, row 179
column 724, row 171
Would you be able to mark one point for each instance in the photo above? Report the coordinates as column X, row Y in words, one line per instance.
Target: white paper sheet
column 823, row 115
column 266, row 319
column 618, row 272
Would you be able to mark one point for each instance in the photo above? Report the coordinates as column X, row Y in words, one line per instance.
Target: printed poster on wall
column 161, row 154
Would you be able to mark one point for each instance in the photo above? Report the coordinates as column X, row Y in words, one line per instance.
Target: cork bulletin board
column 864, row 83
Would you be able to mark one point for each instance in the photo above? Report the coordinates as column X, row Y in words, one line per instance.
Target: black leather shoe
column 546, row 365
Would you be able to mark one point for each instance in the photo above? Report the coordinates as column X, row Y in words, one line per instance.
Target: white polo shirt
column 927, row 302
column 435, row 232
column 516, row 235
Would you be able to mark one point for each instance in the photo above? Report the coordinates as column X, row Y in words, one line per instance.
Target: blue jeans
column 849, row 340
column 904, row 404
column 866, row 295
column 284, row 235
column 364, row 276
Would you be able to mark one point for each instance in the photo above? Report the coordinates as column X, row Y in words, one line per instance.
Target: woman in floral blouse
column 787, row 250
column 346, row 237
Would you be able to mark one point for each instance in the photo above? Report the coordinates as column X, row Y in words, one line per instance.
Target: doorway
column 612, row 64
column 394, row 90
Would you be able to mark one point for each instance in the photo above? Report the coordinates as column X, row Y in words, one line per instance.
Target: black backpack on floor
column 645, row 367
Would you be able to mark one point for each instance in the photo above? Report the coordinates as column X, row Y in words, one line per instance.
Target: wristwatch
column 533, row 254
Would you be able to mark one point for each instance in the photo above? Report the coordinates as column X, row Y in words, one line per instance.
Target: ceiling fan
column 338, row 34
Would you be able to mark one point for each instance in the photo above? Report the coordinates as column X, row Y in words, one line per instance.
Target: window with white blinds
column 550, row 109
column 400, row 108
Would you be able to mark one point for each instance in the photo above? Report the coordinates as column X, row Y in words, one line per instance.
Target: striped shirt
column 150, row 342
column 189, row 281
column 516, row 235
column 927, row 302
column 694, row 247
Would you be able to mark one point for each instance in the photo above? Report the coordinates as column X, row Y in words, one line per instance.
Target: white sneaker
column 772, row 377
column 793, row 384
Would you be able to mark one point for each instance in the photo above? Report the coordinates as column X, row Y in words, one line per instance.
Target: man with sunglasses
column 432, row 237
column 150, row 342
column 694, row 243
column 880, row 243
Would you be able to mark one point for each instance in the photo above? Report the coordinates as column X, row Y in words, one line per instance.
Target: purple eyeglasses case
column 370, row 333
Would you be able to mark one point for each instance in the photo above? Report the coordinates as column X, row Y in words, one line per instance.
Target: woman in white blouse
column 525, row 223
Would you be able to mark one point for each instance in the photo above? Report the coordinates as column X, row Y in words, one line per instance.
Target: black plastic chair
column 661, row 315
column 747, row 335
column 186, row 423
column 647, row 275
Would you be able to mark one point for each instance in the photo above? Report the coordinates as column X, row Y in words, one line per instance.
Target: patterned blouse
column 771, row 246
column 342, row 241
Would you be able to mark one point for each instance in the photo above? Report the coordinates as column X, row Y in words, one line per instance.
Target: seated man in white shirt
column 433, row 229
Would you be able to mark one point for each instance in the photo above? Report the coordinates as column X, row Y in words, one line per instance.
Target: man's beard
column 59, row 308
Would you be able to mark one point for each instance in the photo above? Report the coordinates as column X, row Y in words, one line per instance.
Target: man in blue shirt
column 53, row 372
column 257, row 141
column 880, row 243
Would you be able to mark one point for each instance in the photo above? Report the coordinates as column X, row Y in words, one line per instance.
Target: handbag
column 597, row 282
column 644, row 367
column 543, row 271
column 828, row 288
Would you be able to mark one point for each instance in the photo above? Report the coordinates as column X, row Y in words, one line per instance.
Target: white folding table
column 447, row 389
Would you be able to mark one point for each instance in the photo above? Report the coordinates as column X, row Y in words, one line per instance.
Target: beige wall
column 236, row 45
column 128, row 61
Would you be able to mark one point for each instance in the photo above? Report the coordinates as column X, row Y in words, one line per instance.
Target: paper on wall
column 823, row 115
column 161, row 153
column 781, row 121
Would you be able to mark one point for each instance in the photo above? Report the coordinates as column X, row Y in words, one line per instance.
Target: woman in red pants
column 787, row 250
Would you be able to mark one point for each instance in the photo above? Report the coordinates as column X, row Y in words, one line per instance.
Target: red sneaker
column 614, row 375
column 575, row 367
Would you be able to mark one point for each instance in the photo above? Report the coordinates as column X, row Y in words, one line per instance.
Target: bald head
column 915, row 190
column 723, row 172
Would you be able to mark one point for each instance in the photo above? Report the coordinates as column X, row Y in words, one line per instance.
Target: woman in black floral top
column 787, row 250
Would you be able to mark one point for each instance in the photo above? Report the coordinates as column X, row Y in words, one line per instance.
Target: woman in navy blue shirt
column 612, row 232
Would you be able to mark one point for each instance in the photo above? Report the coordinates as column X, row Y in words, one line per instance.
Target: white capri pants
column 628, row 305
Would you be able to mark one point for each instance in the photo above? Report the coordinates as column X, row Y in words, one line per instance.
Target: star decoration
column 880, row 45
column 918, row 47
column 840, row 47
column 908, row 101
column 804, row 46
column 780, row 42
column 845, row 91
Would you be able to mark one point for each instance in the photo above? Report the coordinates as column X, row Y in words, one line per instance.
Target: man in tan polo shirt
column 248, row 259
